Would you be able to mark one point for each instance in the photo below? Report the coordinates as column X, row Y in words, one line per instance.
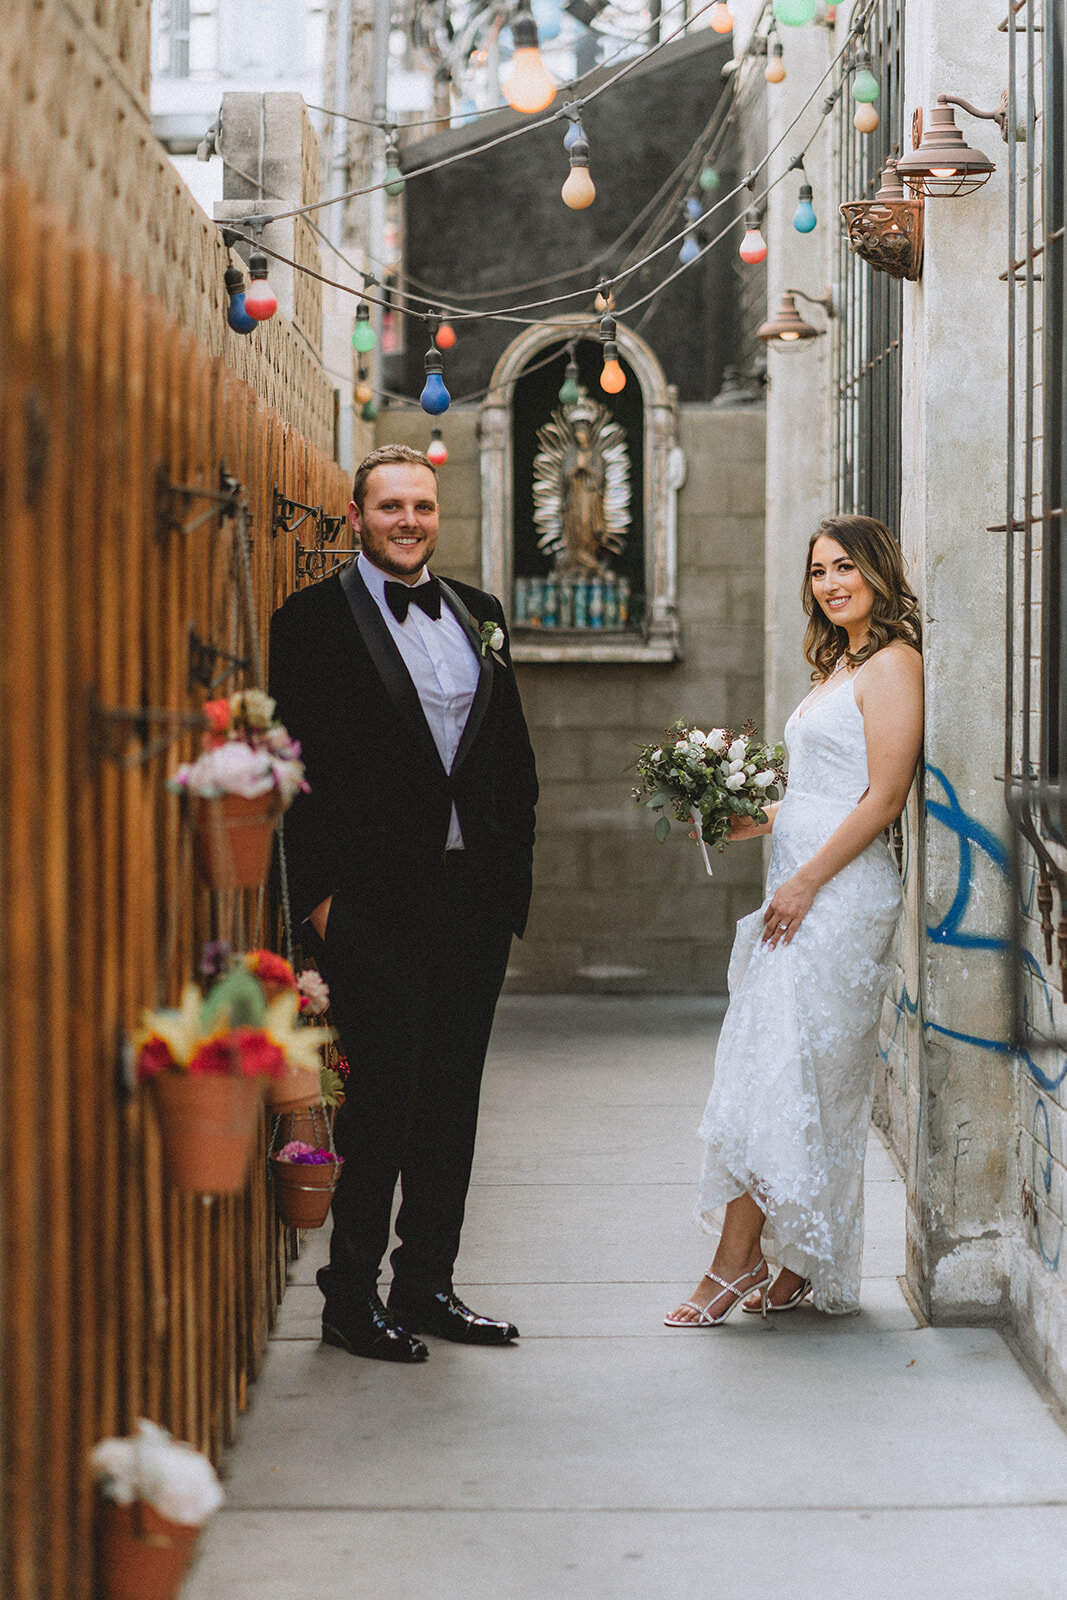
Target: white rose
column 696, row 737
column 657, row 755
column 716, row 740
column 750, row 767
column 496, row 639
column 737, row 750
column 763, row 780
column 735, row 767
column 735, row 781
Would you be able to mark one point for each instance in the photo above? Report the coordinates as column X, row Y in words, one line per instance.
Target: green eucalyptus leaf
column 663, row 828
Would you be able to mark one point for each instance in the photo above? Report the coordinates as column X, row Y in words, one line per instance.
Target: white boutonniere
column 492, row 637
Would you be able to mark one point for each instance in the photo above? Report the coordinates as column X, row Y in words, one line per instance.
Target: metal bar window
column 867, row 345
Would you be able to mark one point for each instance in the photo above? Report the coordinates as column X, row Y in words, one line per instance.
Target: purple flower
column 215, row 958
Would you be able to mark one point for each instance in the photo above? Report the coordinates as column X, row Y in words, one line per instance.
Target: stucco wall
column 613, row 910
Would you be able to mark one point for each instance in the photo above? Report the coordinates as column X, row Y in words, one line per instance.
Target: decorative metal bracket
column 112, row 727
column 203, row 659
column 332, row 527
column 311, row 561
column 285, row 511
column 224, row 502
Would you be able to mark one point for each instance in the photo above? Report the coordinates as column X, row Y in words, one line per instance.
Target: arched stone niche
column 663, row 472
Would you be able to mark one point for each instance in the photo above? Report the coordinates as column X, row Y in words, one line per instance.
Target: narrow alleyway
column 605, row 1456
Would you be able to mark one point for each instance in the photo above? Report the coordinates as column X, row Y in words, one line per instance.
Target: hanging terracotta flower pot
column 208, row 1124
column 296, row 1090
column 142, row 1555
column 308, row 1124
column 232, row 838
column 303, row 1190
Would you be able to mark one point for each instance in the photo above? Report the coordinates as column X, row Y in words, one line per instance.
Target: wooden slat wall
column 120, row 1297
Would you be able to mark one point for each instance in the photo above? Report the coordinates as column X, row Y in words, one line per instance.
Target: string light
column 436, row 450
column 529, row 86
column 804, row 218
column 570, row 393
column 864, row 82
column 236, row 315
column 720, row 20
column 445, row 336
column 689, row 252
column 394, row 179
column 708, row 180
column 753, row 247
column 612, row 377
column 363, row 335
column 434, row 398
column 866, row 118
column 363, row 390
column 579, row 190
column 260, row 300
column 369, row 411
column 774, row 72
column 575, row 132
column 794, row 13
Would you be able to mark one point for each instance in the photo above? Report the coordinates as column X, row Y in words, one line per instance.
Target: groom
column 411, row 861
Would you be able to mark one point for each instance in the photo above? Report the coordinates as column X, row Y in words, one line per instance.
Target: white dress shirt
column 442, row 665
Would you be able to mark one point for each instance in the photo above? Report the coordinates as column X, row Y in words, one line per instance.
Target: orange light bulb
column 775, row 68
column 445, row 336
column 364, row 392
column 866, row 118
column 579, row 190
column 612, row 378
column 720, row 20
column 529, row 86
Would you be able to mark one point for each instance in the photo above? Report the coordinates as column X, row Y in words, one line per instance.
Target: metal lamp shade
column 787, row 329
column 943, row 164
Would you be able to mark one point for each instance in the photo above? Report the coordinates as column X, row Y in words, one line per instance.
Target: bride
column 786, row 1123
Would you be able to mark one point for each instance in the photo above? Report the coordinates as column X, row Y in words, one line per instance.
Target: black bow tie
column 399, row 596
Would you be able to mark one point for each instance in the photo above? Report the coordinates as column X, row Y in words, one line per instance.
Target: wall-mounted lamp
column 888, row 230
column 787, row 329
column 941, row 163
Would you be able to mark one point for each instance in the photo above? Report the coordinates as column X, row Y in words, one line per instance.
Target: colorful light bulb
column 708, row 180
column 720, row 20
column 774, row 71
column 529, row 86
column 394, row 178
column 260, row 300
column 690, row 250
column 794, row 13
column 236, row 315
column 436, row 450
column 579, row 190
column 573, row 134
column 866, row 118
column 612, row 377
column 864, row 82
column 445, row 337
column 434, row 398
column 363, row 337
column 369, row 411
column 804, row 218
column 693, row 209
column 569, row 393
column 753, row 247
column 364, row 392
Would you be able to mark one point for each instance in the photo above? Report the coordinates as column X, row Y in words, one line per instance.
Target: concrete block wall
column 614, row 911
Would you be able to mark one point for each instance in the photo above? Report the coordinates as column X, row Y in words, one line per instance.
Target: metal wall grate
column 867, row 342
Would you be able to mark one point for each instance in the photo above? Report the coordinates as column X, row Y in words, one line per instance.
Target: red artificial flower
column 217, row 713
column 154, row 1056
column 247, row 1051
column 271, row 969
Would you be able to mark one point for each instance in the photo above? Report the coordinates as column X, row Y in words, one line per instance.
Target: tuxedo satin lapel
column 480, row 703
column 387, row 659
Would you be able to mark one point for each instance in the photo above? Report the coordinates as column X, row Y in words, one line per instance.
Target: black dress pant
column 414, row 973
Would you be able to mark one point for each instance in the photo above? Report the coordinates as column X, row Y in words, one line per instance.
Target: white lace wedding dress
column 789, row 1109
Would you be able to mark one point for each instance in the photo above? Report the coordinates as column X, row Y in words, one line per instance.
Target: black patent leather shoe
column 364, row 1327
column 446, row 1317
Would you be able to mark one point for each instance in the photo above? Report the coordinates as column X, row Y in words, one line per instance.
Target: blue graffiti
column 1043, row 1170
column 970, row 834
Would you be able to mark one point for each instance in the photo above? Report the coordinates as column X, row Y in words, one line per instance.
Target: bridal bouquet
column 707, row 778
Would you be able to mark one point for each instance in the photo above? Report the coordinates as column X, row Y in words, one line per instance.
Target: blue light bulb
column 804, row 218
column 693, row 210
column 689, row 251
column 434, row 398
column 573, row 134
column 236, row 315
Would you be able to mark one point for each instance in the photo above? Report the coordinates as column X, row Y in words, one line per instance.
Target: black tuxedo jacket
column 381, row 800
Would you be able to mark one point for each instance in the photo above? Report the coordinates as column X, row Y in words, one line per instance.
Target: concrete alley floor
column 607, row 1457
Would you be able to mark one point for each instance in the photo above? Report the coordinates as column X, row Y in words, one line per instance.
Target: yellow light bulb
column 613, row 378
column 866, row 118
column 529, row 86
column 944, row 172
column 579, row 190
column 787, row 338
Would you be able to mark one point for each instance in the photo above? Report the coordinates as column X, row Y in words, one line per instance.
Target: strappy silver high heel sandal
column 801, row 1292
column 702, row 1318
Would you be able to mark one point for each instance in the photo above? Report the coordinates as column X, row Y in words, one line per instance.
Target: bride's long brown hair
column 895, row 614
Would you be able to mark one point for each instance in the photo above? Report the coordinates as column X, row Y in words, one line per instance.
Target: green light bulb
column 394, row 178
column 794, row 13
column 369, row 411
column 709, row 180
column 864, row 82
column 569, row 393
column 363, row 338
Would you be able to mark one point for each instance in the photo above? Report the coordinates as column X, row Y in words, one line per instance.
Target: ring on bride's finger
column 783, row 926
